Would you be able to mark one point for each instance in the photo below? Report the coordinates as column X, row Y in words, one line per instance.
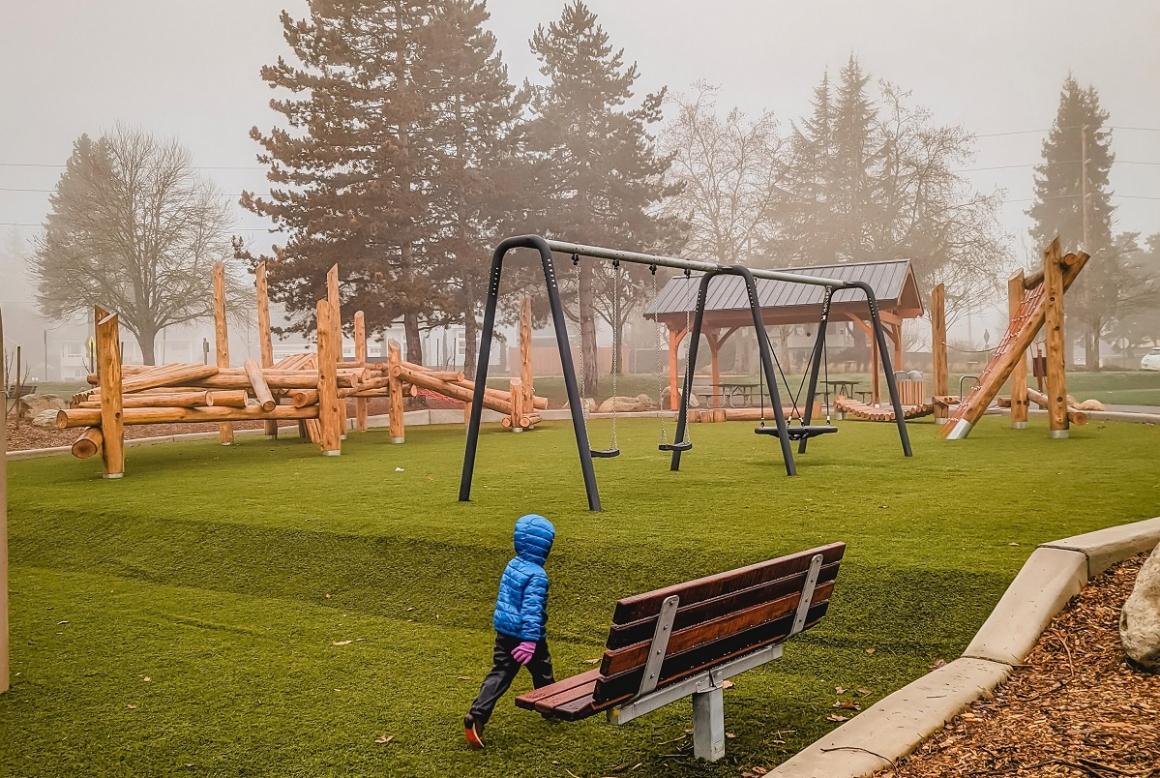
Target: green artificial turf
column 262, row 610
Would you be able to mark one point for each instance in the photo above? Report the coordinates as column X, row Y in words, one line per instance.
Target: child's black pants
column 504, row 670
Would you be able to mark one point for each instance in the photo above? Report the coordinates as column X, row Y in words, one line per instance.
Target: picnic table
column 735, row 394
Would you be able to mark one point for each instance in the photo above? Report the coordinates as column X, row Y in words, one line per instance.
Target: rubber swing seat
column 684, row 445
column 798, row 433
column 604, row 453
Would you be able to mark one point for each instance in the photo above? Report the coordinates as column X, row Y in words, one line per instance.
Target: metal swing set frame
column 709, row 271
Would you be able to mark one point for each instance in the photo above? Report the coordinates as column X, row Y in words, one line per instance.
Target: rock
column 694, row 401
column 1140, row 618
column 621, row 404
column 1091, row 405
column 587, row 403
column 33, row 404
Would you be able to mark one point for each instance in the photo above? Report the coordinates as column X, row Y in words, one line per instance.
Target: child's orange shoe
column 473, row 732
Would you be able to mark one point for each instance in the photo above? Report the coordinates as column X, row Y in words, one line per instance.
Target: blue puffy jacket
column 521, row 608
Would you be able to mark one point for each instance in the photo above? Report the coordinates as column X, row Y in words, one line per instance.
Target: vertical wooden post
column 221, row 340
column 395, row 389
column 714, row 338
column 329, row 418
column 517, row 394
column 938, row 348
column 109, row 378
column 360, row 355
column 1053, row 327
column 527, row 378
column 674, row 345
column 1019, row 402
column 265, row 344
column 3, row 519
column 895, row 332
column 333, row 298
column 875, row 372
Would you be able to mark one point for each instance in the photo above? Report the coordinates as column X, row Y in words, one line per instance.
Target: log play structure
column 311, row 389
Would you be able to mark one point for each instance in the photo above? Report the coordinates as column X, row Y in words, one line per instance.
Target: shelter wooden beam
column 714, row 338
column 675, row 338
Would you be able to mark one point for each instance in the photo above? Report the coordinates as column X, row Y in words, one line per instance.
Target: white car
column 1151, row 360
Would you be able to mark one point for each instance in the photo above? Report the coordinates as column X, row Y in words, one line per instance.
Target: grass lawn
column 262, row 610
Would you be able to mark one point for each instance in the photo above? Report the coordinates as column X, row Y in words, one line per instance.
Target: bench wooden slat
column 720, row 628
column 680, row 665
column 622, row 635
column 529, row 699
column 642, row 606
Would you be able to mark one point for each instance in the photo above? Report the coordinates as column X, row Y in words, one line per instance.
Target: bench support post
column 709, row 724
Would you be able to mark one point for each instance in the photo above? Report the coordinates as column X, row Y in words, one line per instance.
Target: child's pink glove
column 524, row 651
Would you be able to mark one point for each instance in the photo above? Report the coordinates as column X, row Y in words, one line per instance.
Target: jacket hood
column 533, row 538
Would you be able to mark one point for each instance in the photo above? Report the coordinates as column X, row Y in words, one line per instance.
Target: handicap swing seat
column 799, row 432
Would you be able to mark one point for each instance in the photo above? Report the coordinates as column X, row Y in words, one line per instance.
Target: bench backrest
column 718, row 618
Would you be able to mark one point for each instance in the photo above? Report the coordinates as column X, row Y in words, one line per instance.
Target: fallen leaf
column 591, row 661
column 62, row 622
column 872, row 651
column 938, row 663
column 131, row 706
column 837, row 717
column 146, row 678
column 839, row 690
column 863, row 692
column 342, row 642
column 382, row 740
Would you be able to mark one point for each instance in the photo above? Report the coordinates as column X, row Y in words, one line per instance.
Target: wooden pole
column 329, row 417
column 938, row 348
column 714, row 338
column 111, row 414
column 88, row 444
column 895, row 332
column 1053, row 326
column 332, row 296
column 221, row 340
column 395, row 389
column 1019, row 402
column 517, row 395
column 360, row 355
column 265, row 344
column 675, row 337
column 261, row 389
column 527, row 377
column 3, row 519
column 875, row 373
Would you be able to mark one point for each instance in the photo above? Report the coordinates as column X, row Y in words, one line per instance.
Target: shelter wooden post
column 329, row 418
column 221, row 342
column 360, row 356
column 1019, row 401
column 395, row 390
column 714, row 338
column 3, row 522
column 938, row 349
column 1053, row 327
column 895, row 333
column 527, row 377
column 265, row 344
column 109, row 377
column 675, row 337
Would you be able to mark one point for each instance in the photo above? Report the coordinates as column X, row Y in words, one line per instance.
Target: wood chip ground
column 1074, row 709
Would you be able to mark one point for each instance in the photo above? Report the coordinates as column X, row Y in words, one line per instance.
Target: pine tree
column 1078, row 148
column 474, row 180
column 804, row 231
column 597, row 168
column 345, row 176
column 856, row 152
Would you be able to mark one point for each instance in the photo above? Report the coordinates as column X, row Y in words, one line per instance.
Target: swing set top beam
column 679, row 263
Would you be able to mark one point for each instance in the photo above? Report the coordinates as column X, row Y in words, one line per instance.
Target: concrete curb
column 895, row 725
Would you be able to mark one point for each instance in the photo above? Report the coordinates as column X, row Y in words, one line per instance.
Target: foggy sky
column 190, row 69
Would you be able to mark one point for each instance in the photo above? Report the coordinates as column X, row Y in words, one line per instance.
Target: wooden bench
column 687, row 639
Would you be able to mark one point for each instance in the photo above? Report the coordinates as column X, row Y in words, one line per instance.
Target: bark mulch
column 27, row 436
column 1074, row 709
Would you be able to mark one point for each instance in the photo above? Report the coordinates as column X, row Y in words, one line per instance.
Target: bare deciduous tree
column 134, row 229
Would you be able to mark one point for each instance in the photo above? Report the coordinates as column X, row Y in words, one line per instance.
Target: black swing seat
column 684, row 445
column 604, row 453
column 799, row 432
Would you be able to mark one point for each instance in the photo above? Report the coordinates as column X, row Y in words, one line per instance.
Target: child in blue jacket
column 521, row 611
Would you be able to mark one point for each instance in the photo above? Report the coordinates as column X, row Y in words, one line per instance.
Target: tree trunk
column 1094, row 351
column 413, row 337
column 587, row 315
column 470, row 341
column 147, row 340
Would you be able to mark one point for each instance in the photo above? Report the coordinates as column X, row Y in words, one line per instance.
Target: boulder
column 587, row 403
column 1091, row 405
column 32, row 404
column 1140, row 618
column 694, row 401
column 621, row 404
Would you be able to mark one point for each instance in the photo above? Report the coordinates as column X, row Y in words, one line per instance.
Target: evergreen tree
column 597, row 169
column 346, row 174
column 1060, row 208
column 856, row 151
column 473, row 178
column 804, row 215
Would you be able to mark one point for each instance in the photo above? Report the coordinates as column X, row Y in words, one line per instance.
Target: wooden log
column 1015, row 290
column 395, row 388
column 527, row 377
column 89, row 417
column 456, row 392
column 226, row 398
column 303, row 379
column 1074, row 415
column 360, row 355
column 938, row 338
column 259, row 386
column 329, row 414
column 169, row 400
column 110, row 416
column 376, row 387
column 265, row 342
column 333, row 297
column 221, row 337
column 301, row 398
column 539, row 403
column 1054, row 337
column 160, row 377
column 88, row 444
column 517, row 402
